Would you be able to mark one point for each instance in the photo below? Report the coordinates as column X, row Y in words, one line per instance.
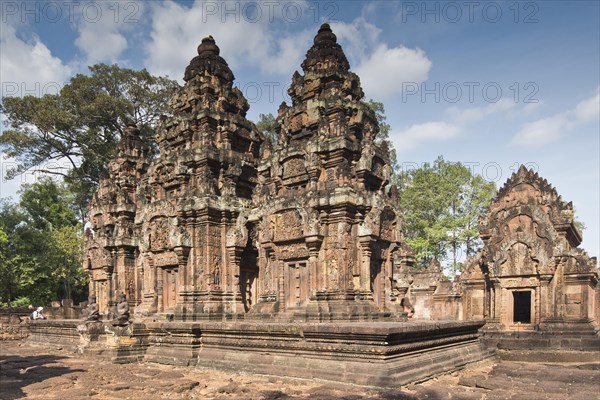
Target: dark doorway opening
column 522, row 307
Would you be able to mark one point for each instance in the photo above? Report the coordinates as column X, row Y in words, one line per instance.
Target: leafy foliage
column 383, row 137
column 19, row 302
column 442, row 203
column 40, row 246
column 74, row 133
column 266, row 126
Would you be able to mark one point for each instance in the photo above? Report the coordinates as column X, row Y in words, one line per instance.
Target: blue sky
column 491, row 84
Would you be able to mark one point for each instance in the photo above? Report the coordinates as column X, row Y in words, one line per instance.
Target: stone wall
column 13, row 323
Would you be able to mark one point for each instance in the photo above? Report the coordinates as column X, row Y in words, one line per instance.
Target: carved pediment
column 158, row 233
column 518, row 257
column 286, row 226
column 294, row 167
column 98, row 257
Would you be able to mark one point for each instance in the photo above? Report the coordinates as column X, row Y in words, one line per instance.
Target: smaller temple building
column 530, row 275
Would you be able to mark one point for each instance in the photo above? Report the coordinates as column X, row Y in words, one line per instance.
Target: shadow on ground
column 17, row 372
column 327, row 394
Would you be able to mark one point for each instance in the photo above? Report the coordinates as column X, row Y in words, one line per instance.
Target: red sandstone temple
column 531, row 278
column 223, row 225
column 287, row 257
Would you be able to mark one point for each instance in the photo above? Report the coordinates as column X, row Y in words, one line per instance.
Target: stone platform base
column 378, row 354
column 550, row 356
column 93, row 339
column 568, row 336
column 54, row 333
column 550, row 342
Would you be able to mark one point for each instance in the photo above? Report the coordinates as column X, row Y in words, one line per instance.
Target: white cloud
column 102, row 29
column 398, row 65
column 551, row 129
column 100, row 45
column 425, row 132
column 475, row 114
column 177, row 30
column 589, row 109
column 28, row 67
column 539, row 132
column 542, row 131
column 366, row 48
column 458, row 120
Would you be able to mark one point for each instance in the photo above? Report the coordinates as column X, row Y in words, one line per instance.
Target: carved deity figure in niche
column 131, row 288
column 387, row 175
column 349, row 272
column 216, row 277
column 407, row 306
column 122, row 318
column 271, row 232
column 332, row 269
column 267, row 275
column 366, row 157
column 92, row 311
column 314, row 223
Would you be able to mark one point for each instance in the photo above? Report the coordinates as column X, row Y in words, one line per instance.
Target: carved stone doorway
column 297, row 284
column 248, row 287
column 375, row 282
column 102, row 296
column 170, row 285
column 522, row 307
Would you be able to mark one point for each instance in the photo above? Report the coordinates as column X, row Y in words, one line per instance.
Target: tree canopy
column 41, row 246
column 383, row 137
column 74, row 133
column 441, row 204
column 266, row 126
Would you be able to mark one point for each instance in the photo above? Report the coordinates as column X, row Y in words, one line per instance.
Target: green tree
column 6, row 268
column 266, row 125
column 441, row 203
column 21, row 248
column 48, row 204
column 41, row 246
column 74, row 134
column 383, row 137
column 65, row 259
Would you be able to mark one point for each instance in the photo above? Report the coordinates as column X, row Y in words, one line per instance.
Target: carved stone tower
column 111, row 243
column 229, row 226
column 324, row 235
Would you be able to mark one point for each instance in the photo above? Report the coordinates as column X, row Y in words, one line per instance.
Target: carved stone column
column 545, row 298
column 314, row 245
column 234, row 257
column 366, row 251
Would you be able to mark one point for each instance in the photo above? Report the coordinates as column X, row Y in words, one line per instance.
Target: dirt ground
column 36, row 373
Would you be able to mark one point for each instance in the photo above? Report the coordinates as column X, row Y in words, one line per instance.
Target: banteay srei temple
column 287, row 257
